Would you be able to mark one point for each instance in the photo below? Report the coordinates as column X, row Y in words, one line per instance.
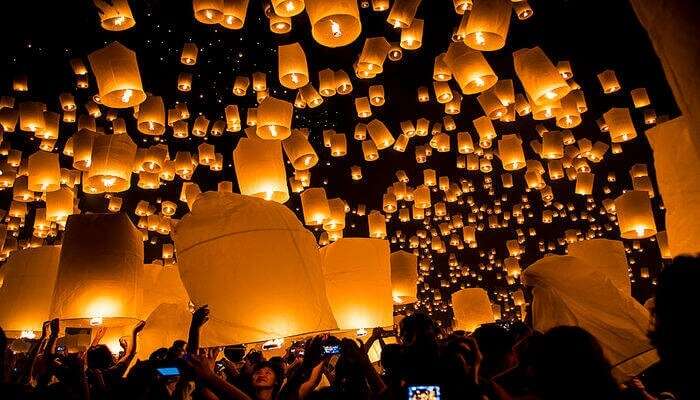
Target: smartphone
column 168, row 372
column 425, row 392
column 331, row 350
column 220, row 366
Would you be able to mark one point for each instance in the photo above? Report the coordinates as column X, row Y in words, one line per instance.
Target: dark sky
column 40, row 37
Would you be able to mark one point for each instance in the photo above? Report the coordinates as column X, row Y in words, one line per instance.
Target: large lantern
column 111, row 163
column 404, row 277
column 380, row 134
column 117, row 73
column 357, row 275
column 469, row 68
column 539, row 76
column 334, row 23
column 314, row 203
column 215, row 243
column 151, row 119
column 606, row 256
column 634, row 215
column 99, row 281
column 472, row 308
column 234, row 13
column 28, row 279
column 260, row 169
column 274, row 119
column 293, row 71
column 208, row 11
column 299, row 151
column 510, row 150
column 487, row 26
column 44, row 172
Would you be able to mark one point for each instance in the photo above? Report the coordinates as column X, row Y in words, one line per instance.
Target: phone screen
column 424, row 392
column 330, row 350
column 168, row 371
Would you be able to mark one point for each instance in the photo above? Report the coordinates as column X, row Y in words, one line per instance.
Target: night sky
column 39, row 39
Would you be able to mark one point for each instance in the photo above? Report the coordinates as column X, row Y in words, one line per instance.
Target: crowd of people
column 424, row 363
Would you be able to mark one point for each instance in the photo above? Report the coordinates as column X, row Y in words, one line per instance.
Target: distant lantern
column 111, row 163
column 326, row 82
column 484, row 127
column 357, row 276
column 362, row 107
column 404, row 277
column 188, row 56
column 640, row 98
column 151, row 118
column 115, row 15
column 44, row 172
column 288, row 8
column 412, row 36
column 334, row 24
column 292, row 67
column 402, row 13
column 584, row 183
column 487, row 26
column 274, row 119
column 510, row 150
column 299, row 151
column 371, row 60
column 469, row 68
column 634, row 215
column 31, row 116
column 99, row 281
column 608, row 80
column 380, row 134
column 523, row 10
column 214, row 244
column 315, row 206
column 208, row 11
column 26, row 289
column 234, row 14
column 620, row 125
column 377, row 225
column 342, row 82
column 539, row 76
column 260, row 169
column 472, row 308
column 376, row 95
column 117, row 73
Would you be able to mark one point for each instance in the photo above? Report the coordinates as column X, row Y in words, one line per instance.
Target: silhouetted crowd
column 422, row 362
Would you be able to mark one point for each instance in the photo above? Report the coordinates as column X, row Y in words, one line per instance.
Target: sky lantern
column 234, row 14
column 115, row 15
column 151, row 118
column 215, row 242
column 634, row 215
column 274, row 119
column 117, row 73
column 539, row 76
column 28, row 279
column 376, row 224
column 208, row 11
column 44, row 172
column 292, row 68
column 299, row 151
column 334, row 24
column 620, row 125
column 371, row 60
column 315, row 206
column 260, row 169
column 31, row 116
column 336, row 219
column 412, row 36
column 640, row 97
column 511, row 152
column 472, row 308
column 402, row 13
column 357, row 275
column 404, row 277
column 469, row 68
column 99, row 281
column 487, row 26
column 188, row 55
column 111, row 163
column 380, row 134
column 608, row 80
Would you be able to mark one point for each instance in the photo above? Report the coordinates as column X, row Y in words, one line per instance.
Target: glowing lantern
column 404, row 277
column 299, row 151
column 487, row 26
column 539, row 76
column 274, row 119
column 234, row 13
column 44, row 172
column 469, row 68
column 293, row 71
column 188, row 56
column 315, row 206
column 111, row 163
column 380, row 135
column 357, row 275
column 412, row 36
column 151, row 119
column 334, row 24
column 402, row 13
column 26, row 287
column 377, row 225
column 99, row 282
column 208, row 11
column 260, row 169
column 310, row 96
column 214, row 245
column 511, row 152
column 115, row 15
column 374, row 52
column 620, row 125
column 31, row 116
column 608, row 80
column 339, row 145
column 634, row 215
column 362, row 107
column 117, row 73
column 484, row 127
column 472, row 308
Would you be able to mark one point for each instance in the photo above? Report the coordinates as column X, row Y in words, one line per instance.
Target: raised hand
column 200, row 316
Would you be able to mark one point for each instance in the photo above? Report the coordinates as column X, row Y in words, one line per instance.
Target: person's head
column 266, row 376
column 159, row 354
column 674, row 341
column 496, row 346
column 177, row 350
column 99, row 357
column 417, row 329
column 571, row 364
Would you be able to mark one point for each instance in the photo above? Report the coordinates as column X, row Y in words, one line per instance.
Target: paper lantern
column 188, row 55
column 115, row 15
column 484, row 127
column 487, row 26
column 44, row 172
column 184, row 82
column 292, row 69
column 379, row 133
column 620, row 125
column 28, row 279
column 336, row 219
column 640, row 98
column 606, row 256
column 310, row 96
column 260, row 169
column 404, row 277
column 234, row 13
column 208, row 11
column 584, row 183
column 151, row 119
column 334, row 24
column 357, row 274
column 274, row 119
column 472, row 308
column 299, row 151
column 412, row 36
column 215, row 243
column 161, row 284
column 539, row 76
column 315, row 206
column 31, row 116
column 111, row 161
column 59, row 204
column 99, row 281
column 371, row 60
column 608, row 80
column 362, row 107
column 117, row 73
column 634, row 215
column 339, row 145
column 279, row 24
column 510, row 150
column 469, row 68
column 402, row 13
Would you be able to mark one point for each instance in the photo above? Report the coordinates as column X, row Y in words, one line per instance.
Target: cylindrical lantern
column 510, row 150
column 260, row 169
column 274, row 119
column 377, row 225
column 293, row 71
column 472, row 308
column 115, row 15
column 487, row 26
column 620, row 125
column 314, row 204
column 357, row 275
column 151, row 119
column 404, row 277
column 539, row 76
column 469, row 68
column 117, row 73
column 111, row 163
column 634, row 215
column 44, row 172
column 208, row 11
column 334, row 24
column 380, row 134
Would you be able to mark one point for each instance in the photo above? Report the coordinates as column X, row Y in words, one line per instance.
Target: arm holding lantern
column 129, row 352
column 199, row 318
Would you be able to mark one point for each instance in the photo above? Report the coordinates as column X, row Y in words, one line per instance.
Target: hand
column 139, row 327
column 201, row 364
column 123, row 344
column 99, row 335
column 200, row 316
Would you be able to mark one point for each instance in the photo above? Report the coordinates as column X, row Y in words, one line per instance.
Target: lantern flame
column 640, row 230
column 479, row 37
column 27, row 334
column 550, row 94
column 209, row 14
column 290, row 6
column 119, row 21
column 335, row 29
column 96, row 321
column 126, row 96
column 478, row 81
column 109, row 181
column 294, row 78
